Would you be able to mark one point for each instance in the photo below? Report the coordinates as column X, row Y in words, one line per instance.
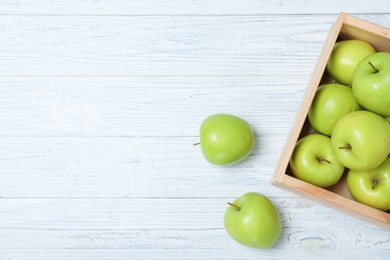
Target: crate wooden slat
column 337, row 196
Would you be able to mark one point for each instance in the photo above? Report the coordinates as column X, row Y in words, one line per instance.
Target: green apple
column 225, row 139
column 331, row 102
column 314, row 161
column 371, row 83
column 252, row 220
column 361, row 140
column 344, row 58
column 371, row 187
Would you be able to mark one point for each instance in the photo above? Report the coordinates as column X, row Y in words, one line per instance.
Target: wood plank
column 188, row 7
column 185, row 228
column 88, row 167
column 144, row 106
column 162, row 45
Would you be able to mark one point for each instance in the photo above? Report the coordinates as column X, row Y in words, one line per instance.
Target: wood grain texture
column 89, row 167
column 159, row 45
column 101, row 102
column 170, row 228
column 143, row 106
column 190, row 7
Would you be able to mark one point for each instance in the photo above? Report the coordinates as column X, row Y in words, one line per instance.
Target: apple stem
column 231, row 204
column 323, row 160
column 374, row 183
column 348, row 146
column 195, row 144
column 372, row 65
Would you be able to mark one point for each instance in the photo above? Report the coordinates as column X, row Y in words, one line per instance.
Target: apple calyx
column 237, row 207
column 375, row 182
column 372, row 66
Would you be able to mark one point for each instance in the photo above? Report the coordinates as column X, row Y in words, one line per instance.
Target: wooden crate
column 337, row 196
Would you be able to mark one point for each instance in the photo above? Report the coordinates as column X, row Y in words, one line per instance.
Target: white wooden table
column 101, row 101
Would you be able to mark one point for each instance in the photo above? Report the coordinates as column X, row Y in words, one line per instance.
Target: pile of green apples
column 351, row 118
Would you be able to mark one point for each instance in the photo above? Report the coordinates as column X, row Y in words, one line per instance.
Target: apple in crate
column 252, row 220
column 361, row 140
column 344, row 58
column 371, row 83
column 314, row 161
column 225, row 139
column 371, row 187
column 331, row 102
